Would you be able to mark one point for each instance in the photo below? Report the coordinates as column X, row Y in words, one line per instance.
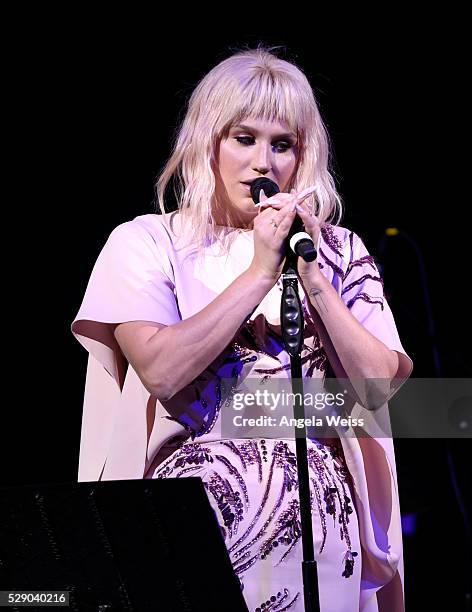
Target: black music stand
column 132, row 545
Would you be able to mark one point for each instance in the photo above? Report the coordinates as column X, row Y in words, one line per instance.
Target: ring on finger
column 273, row 223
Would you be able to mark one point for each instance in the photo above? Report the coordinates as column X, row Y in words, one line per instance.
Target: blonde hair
column 251, row 83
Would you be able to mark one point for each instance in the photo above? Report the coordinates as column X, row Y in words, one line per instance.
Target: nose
column 262, row 159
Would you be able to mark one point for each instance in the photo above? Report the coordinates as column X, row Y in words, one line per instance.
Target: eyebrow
column 255, row 131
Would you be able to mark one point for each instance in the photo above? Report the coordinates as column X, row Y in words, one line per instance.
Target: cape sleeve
column 132, row 280
column 371, row 459
column 362, row 292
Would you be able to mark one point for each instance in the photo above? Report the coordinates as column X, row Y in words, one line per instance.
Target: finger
column 285, row 222
column 306, row 207
column 274, row 219
column 268, row 203
column 287, row 212
column 306, row 214
column 300, row 200
column 279, row 198
column 303, row 213
column 277, row 212
column 279, row 201
column 306, row 192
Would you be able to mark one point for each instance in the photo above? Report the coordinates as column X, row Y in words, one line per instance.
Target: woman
column 179, row 301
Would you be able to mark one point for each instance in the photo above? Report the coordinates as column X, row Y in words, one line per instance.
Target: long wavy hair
column 251, row 83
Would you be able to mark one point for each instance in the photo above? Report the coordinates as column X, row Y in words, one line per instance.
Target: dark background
column 95, row 103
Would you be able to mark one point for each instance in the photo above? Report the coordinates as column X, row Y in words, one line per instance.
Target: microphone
column 300, row 242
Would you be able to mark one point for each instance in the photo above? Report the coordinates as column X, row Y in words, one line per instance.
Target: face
column 252, row 149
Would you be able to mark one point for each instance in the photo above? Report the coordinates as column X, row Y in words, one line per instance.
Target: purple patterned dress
column 252, row 486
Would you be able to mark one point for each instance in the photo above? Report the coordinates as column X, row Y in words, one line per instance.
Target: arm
column 353, row 351
column 168, row 358
column 360, row 354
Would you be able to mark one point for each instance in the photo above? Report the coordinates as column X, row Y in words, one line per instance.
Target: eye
column 284, row 146
column 280, row 146
column 245, row 140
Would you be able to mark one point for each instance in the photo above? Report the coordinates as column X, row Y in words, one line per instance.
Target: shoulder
column 153, row 230
column 150, row 224
column 144, row 243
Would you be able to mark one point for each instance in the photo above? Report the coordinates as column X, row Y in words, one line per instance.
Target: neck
column 233, row 218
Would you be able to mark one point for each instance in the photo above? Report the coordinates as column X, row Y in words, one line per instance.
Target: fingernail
column 307, row 191
column 262, row 194
column 299, row 208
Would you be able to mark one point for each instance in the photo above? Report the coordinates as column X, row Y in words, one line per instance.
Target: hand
column 271, row 227
column 308, row 270
column 271, row 230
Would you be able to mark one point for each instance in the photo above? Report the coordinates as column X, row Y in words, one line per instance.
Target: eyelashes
column 280, row 146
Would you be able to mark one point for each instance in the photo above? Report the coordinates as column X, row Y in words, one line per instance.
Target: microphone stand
column 292, row 325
